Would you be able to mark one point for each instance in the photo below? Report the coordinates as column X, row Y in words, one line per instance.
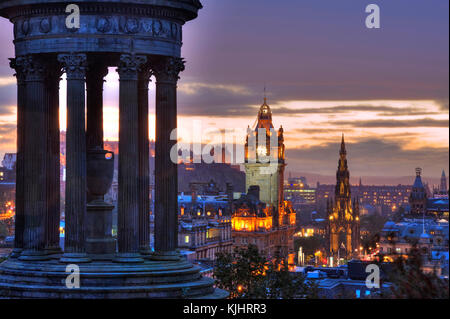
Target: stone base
column 74, row 258
column 165, row 256
column 33, row 255
column 149, row 279
column 16, row 252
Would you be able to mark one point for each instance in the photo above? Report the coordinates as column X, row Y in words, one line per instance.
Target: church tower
column 265, row 159
column 418, row 197
column 343, row 216
column 443, row 187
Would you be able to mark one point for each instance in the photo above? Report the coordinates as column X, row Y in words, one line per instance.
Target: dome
column 264, row 116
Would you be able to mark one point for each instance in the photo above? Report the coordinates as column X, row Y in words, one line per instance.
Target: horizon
column 336, row 77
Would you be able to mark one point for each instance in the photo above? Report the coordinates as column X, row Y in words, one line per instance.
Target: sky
column 326, row 74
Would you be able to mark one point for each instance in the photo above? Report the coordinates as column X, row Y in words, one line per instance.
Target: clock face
column 261, row 150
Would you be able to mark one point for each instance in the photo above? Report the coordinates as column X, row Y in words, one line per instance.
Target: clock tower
column 265, row 159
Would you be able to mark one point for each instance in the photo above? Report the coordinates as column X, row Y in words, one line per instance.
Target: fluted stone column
column 53, row 152
column 94, row 86
column 144, row 170
column 128, row 201
column 75, row 211
column 166, row 71
column 18, row 65
column 35, row 159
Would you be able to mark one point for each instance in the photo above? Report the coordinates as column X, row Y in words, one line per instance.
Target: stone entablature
column 113, row 26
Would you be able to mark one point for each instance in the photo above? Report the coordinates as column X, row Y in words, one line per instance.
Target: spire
column 443, row 188
column 343, row 151
column 265, row 94
column 264, row 119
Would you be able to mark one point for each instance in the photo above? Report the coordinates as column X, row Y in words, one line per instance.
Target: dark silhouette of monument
column 142, row 39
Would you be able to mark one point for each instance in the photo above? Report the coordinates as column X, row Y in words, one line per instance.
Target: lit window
column 186, row 239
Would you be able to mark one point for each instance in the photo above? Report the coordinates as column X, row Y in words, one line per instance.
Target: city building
column 418, row 197
column 7, row 187
column 303, row 199
column 343, row 214
column 299, row 192
column 205, row 236
column 9, row 161
column 431, row 237
column 442, row 190
column 420, row 203
column 262, row 217
column 379, row 199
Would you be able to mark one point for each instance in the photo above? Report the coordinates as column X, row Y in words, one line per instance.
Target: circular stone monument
column 142, row 39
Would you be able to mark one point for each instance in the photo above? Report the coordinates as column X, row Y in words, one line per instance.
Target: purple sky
column 326, row 73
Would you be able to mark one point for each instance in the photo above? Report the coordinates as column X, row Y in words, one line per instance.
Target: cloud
column 386, row 110
column 7, row 136
column 8, row 97
column 7, row 80
column 425, row 122
column 192, row 88
column 443, row 104
column 224, row 100
column 370, row 156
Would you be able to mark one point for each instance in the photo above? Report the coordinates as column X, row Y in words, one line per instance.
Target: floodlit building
column 263, row 217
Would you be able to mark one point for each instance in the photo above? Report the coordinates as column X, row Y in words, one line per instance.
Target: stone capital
column 29, row 68
column 17, row 65
column 130, row 65
column 167, row 69
column 144, row 77
column 75, row 65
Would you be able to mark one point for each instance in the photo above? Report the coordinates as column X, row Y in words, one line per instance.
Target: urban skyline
column 395, row 118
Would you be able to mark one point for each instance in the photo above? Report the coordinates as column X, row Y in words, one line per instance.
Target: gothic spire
column 343, row 150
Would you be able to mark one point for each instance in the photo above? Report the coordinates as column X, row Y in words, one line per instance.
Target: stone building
column 429, row 236
column 418, row 197
column 262, row 217
column 343, row 229
column 142, row 40
column 205, row 236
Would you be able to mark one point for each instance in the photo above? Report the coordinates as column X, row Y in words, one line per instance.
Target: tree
column 409, row 281
column 247, row 274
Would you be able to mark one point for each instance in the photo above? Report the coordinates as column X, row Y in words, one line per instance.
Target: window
column 186, row 239
column 358, row 293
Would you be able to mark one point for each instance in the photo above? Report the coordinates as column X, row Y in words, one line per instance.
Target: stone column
column 128, row 201
column 94, row 85
column 35, row 160
column 144, row 169
column 75, row 211
column 166, row 176
column 53, row 152
column 18, row 65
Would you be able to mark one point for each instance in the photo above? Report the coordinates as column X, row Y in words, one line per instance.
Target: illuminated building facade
column 343, row 216
column 262, row 217
column 298, row 191
column 205, row 236
column 382, row 199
